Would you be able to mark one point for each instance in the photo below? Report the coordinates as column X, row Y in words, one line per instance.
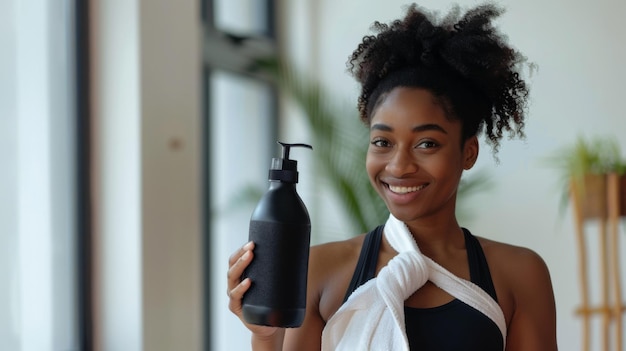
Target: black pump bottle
column 281, row 230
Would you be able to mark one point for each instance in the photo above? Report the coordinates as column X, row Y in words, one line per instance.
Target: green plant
column 597, row 155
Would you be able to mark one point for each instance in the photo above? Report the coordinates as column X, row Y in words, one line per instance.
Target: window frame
column 83, row 197
column 233, row 54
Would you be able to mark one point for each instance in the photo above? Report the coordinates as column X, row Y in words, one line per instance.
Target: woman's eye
column 426, row 144
column 380, row 142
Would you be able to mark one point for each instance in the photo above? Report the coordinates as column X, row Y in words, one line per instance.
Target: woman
column 420, row 281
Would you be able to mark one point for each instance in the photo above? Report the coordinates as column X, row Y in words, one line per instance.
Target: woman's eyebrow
column 381, row 127
column 426, row 127
column 419, row 128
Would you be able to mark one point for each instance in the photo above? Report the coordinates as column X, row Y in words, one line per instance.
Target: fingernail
column 246, row 255
column 248, row 245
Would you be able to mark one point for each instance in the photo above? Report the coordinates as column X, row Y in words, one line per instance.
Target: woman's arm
column 533, row 323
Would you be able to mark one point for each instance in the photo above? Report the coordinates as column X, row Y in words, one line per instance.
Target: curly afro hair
column 462, row 59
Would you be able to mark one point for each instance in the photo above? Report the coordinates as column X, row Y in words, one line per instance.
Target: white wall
column 578, row 47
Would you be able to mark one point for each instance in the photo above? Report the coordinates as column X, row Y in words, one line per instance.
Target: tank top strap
column 366, row 266
column 479, row 269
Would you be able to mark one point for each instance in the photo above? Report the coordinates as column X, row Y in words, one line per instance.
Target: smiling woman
column 420, row 281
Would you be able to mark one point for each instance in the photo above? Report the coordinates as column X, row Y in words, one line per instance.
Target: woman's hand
column 237, row 287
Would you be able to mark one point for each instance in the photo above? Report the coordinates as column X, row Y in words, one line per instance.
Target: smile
column 405, row 189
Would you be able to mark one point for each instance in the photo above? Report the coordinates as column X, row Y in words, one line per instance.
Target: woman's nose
column 401, row 163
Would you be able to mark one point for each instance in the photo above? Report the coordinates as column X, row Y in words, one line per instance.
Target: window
column 38, row 246
column 239, row 144
column 244, row 17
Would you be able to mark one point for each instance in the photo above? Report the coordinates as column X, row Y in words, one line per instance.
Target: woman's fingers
column 237, row 287
column 236, row 295
column 238, row 262
column 249, row 246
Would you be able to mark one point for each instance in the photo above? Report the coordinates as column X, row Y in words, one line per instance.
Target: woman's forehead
column 406, row 104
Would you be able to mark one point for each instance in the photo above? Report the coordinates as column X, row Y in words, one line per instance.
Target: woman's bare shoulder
column 525, row 293
column 521, row 277
column 330, row 258
column 338, row 249
column 510, row 257
column 514, row 266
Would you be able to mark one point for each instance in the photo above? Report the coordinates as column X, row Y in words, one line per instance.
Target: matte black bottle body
column 281, row 230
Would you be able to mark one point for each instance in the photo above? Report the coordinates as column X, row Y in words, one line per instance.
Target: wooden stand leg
column 582, row 269
column 617, row 289
column 613, row 191
column 604, row 267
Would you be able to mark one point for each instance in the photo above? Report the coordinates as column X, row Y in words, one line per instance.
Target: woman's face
column 415, row 159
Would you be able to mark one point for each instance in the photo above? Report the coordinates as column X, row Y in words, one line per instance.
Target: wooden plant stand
column 603, row 199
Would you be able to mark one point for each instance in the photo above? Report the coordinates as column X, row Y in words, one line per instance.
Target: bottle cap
column 283, row 169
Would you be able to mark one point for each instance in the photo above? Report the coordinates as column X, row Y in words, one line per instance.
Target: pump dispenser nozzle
column 283, row 169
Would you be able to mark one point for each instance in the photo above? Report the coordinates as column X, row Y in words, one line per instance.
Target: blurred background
column 134, row 138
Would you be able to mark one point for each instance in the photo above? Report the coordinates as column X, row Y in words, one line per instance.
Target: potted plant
column 586, row 167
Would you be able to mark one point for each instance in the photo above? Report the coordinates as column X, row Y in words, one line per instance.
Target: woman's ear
column 470, row 152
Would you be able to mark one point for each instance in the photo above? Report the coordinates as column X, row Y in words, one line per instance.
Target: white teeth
column 404, row 189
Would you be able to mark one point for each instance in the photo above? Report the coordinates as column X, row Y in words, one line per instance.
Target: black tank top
column 450, row 327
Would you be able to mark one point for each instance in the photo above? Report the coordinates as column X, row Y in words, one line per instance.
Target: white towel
column 373, row 316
